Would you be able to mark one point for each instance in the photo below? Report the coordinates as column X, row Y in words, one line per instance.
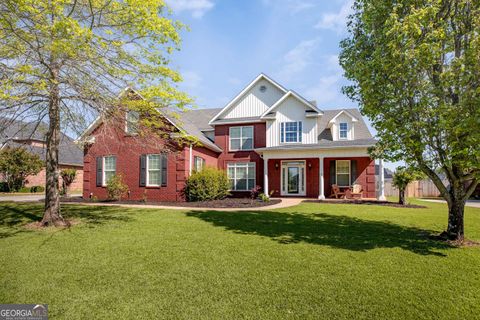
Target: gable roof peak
column 246, row 89
column 298, row 97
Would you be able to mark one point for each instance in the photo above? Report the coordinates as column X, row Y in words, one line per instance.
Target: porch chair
column 336, row 193
column 357, row 191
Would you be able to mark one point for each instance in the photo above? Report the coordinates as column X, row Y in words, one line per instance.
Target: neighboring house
column 267, row 135
column 31, row 136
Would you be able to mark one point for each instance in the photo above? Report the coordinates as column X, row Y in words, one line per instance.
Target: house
column 267, row 136
column 31, row 136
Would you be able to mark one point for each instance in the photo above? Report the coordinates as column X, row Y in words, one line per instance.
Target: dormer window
column 291, row 132
column 343, row 130
column 131, row 122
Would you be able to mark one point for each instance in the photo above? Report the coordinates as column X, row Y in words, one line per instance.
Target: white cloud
column 191, row 79
column 297, row 59
column 336, row 21
column 328, row 87
column 292, row 6
column 197, row 7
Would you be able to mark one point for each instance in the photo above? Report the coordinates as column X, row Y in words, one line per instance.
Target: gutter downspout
column 190, row 162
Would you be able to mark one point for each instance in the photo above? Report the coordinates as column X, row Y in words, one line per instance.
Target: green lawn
column 309, row 261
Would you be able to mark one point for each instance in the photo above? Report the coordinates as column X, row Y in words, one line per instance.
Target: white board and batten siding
column 254, row 102
column 292, row 110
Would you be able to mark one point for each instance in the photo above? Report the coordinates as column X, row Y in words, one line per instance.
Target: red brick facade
column 128, row 150
column 39, row 179
column 222, row 140
column 365, row 175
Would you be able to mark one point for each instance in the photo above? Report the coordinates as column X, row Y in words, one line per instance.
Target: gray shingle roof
column 361, row 130
column 13, row 132
column 196, row 121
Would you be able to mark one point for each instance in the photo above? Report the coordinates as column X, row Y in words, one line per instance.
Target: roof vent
column 263, row 88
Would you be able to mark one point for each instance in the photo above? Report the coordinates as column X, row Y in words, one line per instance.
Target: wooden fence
column 420, row 188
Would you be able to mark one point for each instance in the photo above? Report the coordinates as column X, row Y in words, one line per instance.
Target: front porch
column 317, row 177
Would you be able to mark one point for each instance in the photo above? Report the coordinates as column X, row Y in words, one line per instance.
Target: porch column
column 381, row 186
column 265, row 176
column 321, row 191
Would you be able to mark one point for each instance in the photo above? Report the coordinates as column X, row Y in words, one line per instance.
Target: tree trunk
column 456, row 208
column 52, row 215
column 401, row 196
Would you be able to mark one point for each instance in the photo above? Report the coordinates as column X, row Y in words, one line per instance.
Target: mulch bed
column 368, row 202
column 225, row 203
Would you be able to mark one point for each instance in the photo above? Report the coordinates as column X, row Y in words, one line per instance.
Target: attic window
column 263, row 88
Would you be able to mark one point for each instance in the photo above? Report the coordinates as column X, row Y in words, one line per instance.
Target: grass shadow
column 13, row 216
column 338, row 231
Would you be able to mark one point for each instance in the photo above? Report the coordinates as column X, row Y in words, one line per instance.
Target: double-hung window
column 241, row 175
column 291, row 132
column 154, row 170
column 343, row 130
column 198, row 163
column 343, row 173
column 131, row 122
column 241, row 138
column 109, row 168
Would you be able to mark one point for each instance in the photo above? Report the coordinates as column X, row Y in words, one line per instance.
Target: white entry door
column 293, row 178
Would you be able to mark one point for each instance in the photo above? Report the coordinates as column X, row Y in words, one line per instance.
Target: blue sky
column 230, row 42
column 296, row 42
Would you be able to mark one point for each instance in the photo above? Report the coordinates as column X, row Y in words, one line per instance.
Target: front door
column 293, row 178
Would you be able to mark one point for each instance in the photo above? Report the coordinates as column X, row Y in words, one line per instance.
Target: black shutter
column 333, row 176
column 164, row 169
column 143, row 170
column 99, row 171
column 353, row 172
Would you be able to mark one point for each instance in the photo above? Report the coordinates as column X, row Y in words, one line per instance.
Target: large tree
column 415, row 72
column 65, row 61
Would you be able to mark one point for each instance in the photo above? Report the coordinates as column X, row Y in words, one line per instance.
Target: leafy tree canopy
column 16, row 164
column 415, row 72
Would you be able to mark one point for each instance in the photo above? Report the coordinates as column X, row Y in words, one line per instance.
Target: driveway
column 22, row 198
column 18, row 197
column 470, row 203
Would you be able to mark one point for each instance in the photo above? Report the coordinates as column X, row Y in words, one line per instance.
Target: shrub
column 68, row 175
column 116, row 188
column 37, row 189
column 264, row 197
column 16, row 164
column 255, row 192
column 208, row 184
column 24, row 190
column 3, row 187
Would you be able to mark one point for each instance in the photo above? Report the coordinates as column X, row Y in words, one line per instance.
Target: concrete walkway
column 22, row 198
column 470, row 203
column 285, row 203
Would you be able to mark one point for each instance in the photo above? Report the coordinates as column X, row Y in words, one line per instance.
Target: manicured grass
column 310, row 261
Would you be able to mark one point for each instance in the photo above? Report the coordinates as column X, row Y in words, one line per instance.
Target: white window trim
column 202, row 161
column 339, row 132
column 241, row 137
column 349, row 172
column 235, row 174
column 147, row 171
column 104, row 181
column 126, row 123
column 303, row 178
column 299, row 133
